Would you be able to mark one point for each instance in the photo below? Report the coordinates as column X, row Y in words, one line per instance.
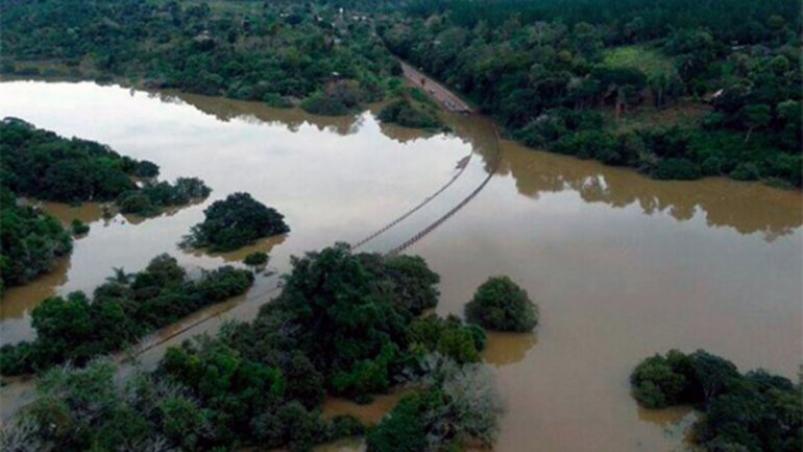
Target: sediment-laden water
column 621, row 266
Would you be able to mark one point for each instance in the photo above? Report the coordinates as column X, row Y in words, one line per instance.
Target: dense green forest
column 577, row 76
column 277, row 52
column 43, row 165
column 121, row 311
column 344, row 323
column 755, row 411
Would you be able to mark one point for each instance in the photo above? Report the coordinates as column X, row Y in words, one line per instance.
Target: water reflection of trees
column 508, row 348
column 480, row 133
column 18, row 301
column 293, row 118
column 264, row 245
column 747, row 208
column 404, row 135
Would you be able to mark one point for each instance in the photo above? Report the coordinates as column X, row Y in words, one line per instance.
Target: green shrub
column 79, row 227
column 145, row 168
column 344, row 426
column 405, row 427
column 403, row 113
column 136, row 202
column 154, row 196
column 746, row 171
column 449, row 337
column 256, row 259
column 500, row 304
column 414, row 284
column 276, row 101
column 367, row 376
column 321, row 104
column 657, row 384
column 234, row 222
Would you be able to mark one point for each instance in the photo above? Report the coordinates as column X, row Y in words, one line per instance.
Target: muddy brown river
column 622, row 266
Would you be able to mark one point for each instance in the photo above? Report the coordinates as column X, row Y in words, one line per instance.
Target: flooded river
column 621, row 266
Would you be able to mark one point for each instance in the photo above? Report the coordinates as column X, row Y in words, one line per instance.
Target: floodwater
column 621, row 266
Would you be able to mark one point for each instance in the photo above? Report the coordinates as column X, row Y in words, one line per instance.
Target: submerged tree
column 500, row 304
column 752, row 411
column 234, row 222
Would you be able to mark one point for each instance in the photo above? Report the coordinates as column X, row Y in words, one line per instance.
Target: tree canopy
column 121, row 311
column 30, row 241
column 276, row 52
column 500, row 304
column 753, row 411
column 344, row 324
column 234, row 222
column 40, row 164
column 43, row 165
column 565, row 75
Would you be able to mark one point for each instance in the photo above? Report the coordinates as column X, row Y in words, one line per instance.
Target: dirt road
column 446, row 98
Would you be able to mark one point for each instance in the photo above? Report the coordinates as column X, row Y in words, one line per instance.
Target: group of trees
column 43, row 165
column 343, row 324
column 276, row 52
column 153, row 197
column 500, row 304
column 410, row 107
column 121, row 311
column 752, row 412
column 459, row 402
column 40, row 164
column 234, row 222
column 256, row 259
column 30, row 241
column 549, row 69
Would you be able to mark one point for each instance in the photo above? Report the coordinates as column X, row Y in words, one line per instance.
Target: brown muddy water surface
column 621, row 266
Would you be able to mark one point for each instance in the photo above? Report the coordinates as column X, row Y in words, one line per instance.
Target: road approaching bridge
column 442, row 95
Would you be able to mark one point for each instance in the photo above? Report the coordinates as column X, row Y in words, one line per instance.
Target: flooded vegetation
column 620, row 266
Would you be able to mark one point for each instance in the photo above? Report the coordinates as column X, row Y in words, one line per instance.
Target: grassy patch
column 682, row 113
column 648, row 60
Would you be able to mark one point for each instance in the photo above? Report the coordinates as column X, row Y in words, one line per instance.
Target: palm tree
column 120, row 276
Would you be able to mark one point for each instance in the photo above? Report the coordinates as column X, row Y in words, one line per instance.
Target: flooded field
column 621, row 266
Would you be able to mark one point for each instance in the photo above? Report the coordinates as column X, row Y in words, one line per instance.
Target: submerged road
column 447, row 99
